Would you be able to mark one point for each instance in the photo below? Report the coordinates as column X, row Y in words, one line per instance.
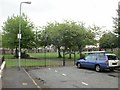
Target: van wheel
column 97, row 68
column 78, row 65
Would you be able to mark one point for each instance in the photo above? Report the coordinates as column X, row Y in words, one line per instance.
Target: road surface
column 71, row 77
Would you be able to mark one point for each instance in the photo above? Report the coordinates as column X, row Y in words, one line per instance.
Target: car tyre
column 97, row 68
column 78, row 65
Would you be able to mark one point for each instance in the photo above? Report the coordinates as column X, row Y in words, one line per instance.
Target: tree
column 116, row 26
column 108, row 40
column 97, row 31
column 51, row 36
column 37, row 37
column 11, row 29
column 69, row 34
column 0, row 39
column 83, row 37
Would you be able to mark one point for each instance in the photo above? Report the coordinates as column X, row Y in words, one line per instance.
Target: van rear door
column 113, row 60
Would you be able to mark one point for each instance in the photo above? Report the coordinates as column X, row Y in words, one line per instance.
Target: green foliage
column 108, row 41
column 8, row 56
column 68, row 34
column 11, row 29
column 116, row 22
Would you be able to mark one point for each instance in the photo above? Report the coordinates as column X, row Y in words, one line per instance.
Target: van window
column 94, row 57
column 89, row 57
column 112, row 57
column 101, row 56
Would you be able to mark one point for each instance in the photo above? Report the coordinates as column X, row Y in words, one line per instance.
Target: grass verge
column 30, row 63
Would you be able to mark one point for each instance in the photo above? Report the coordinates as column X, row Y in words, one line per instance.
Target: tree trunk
column 80, row 52
column 16, row 52
column 70, row 56
column 59, row 54
column 112, row 50
column 3, row 51
column 11, row 51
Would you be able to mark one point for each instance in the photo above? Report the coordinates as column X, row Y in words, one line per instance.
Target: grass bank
column 30, row 63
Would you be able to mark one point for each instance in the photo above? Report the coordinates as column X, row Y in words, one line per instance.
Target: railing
column 2, row 65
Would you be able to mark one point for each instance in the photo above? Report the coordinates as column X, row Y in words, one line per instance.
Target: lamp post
column 45, row 47
column 19, row 34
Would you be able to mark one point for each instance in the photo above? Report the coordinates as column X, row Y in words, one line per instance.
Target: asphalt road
column 71, row 77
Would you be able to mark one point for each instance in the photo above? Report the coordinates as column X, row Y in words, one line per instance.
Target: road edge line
column 32, row 79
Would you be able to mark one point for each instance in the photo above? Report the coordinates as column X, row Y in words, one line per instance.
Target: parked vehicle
column 99, row 60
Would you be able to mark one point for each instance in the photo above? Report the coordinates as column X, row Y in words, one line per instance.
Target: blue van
column 99, row 60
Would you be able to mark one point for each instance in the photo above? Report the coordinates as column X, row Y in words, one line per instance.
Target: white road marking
column 64, row 74
column 24, row 84
column 84, row 83
column 1, row 68
column 49, row 68
column 32, row 79
column 56, row 71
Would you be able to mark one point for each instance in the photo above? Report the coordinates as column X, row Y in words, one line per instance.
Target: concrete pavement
column 14, row 78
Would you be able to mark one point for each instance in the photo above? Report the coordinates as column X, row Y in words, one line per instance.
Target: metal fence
column 40, row 59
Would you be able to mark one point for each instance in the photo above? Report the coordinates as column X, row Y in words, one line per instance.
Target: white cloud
column 99, row 12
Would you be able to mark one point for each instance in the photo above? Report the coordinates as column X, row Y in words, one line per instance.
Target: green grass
column 1, row 55
column 52, row 55
column 8, row 56
column 51, row 60
column 42, row 55
column 30, row 63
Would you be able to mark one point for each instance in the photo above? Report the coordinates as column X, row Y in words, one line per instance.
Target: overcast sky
column 98, row 12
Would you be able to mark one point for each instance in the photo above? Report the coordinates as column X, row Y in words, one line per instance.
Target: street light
column 19, row 34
